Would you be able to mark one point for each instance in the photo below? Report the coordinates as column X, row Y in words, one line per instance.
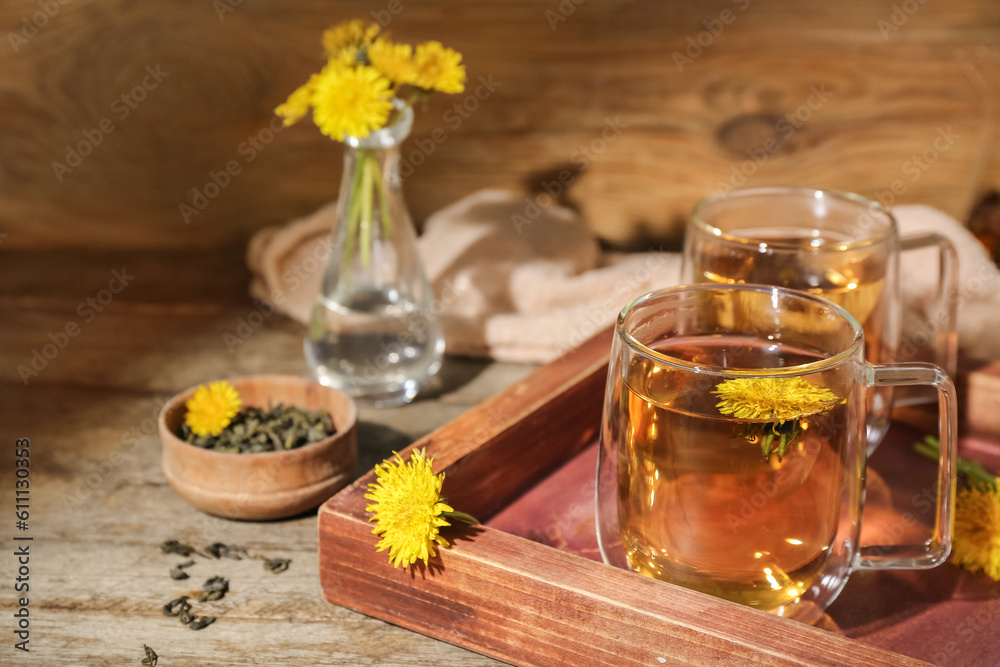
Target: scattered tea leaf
column 175, row 547
column 181, row 609
column 201, row 622
column 213, row 589
column 178, row 571
column 174, row 607
column 277, row 565
column 220, row 550
column 151, row 658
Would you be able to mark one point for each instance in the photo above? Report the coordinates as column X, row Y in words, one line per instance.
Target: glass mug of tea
column 732, row 455
column 837, row 245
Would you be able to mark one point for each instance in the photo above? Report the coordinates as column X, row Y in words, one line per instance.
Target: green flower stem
column 461, row 516
column 366, row 185
column 786, row 432
column 353, row 214
column 977, row 474
column 416, row 95
column 366, row 195
column 383, row 201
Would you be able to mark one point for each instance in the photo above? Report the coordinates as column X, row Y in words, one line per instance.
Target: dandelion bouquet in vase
column 372, row 331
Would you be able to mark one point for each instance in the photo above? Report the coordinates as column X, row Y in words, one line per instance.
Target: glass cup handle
column 944, row 316
column 935, row 550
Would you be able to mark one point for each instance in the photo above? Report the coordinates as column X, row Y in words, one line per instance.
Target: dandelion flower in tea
column 775, row 408
column 697, row 504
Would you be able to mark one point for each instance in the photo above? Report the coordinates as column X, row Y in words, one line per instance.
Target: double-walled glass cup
column 837, row 245
column 732, row 457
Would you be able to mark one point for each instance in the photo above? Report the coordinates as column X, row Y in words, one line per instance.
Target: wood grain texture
column 599, row 95
column 490, row 593
column 100, row 504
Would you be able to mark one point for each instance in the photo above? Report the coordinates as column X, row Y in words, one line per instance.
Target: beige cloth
column 517, row 282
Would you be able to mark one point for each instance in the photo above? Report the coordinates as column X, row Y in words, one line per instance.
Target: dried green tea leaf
column 201, row 622
column 178, row 571
column 280, row 428
column 213, row 589
column 277, row 565
column 175, row 547
column 233, row 551
column 174, row 607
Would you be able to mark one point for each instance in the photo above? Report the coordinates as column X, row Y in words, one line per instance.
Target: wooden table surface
column 99, row 503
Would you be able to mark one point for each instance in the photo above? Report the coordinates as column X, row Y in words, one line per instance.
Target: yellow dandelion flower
column 773, row 399
column 212, row 408
column 297, row 104
column 346, row 57
column 976, row 537
column 775, row 406
column 348, row 33
column 406, row 501
column 395, row 61
column 350, row 101
column 439, row 68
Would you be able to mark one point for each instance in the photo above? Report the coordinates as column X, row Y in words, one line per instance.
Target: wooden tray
column 528, row 586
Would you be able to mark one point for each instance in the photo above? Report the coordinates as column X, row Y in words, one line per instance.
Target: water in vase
column 374, row 343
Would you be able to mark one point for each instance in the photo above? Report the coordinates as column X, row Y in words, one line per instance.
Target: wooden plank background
column 892, row 75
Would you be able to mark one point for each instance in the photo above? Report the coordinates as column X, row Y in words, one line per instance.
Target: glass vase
column 373, row 333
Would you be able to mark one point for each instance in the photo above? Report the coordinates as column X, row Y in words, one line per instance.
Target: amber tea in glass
column 767, row 523
column 836, row 245
column 733, row 446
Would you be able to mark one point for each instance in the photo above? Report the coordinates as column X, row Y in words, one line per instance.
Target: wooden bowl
column 268, row 485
